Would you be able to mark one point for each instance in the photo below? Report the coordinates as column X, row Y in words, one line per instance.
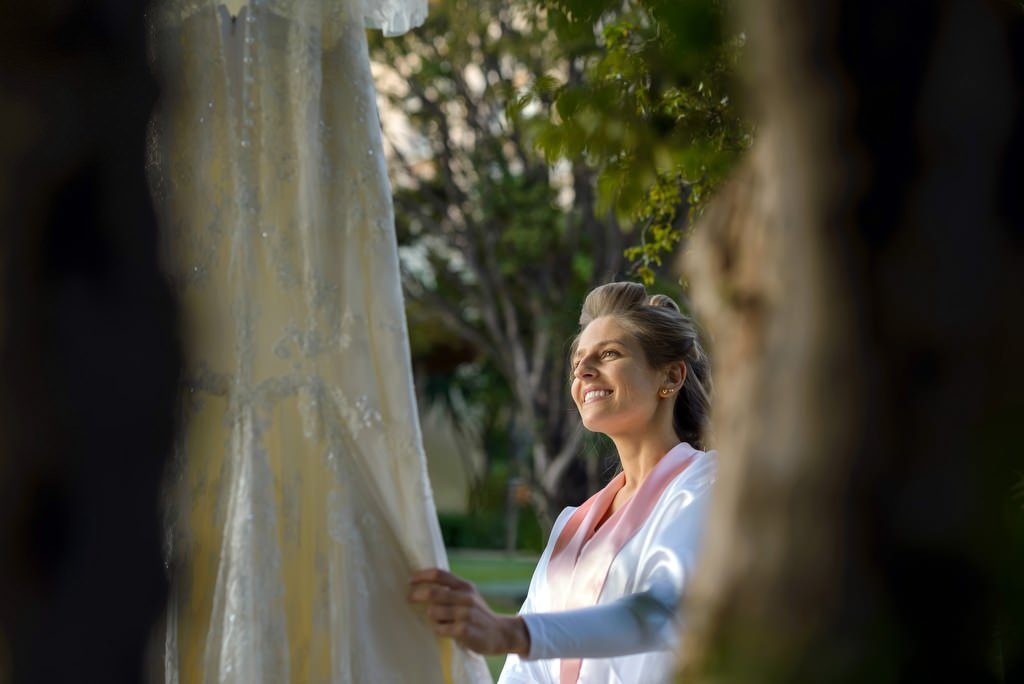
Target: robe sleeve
column 644, row 621
column 633, row 624
column 394, row 17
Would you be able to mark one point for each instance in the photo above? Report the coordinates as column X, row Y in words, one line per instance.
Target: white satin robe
column 649, row 545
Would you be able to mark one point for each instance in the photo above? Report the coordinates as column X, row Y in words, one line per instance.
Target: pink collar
column 581, row 556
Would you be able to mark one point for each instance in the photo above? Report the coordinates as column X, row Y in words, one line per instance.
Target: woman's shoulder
column 698, row 477
column 705, row 464
column 682, row 507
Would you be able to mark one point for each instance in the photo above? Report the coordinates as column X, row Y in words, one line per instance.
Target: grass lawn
column 492, row 566
column 503, row 579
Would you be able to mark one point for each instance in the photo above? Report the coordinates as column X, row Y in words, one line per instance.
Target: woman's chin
column 596, row 424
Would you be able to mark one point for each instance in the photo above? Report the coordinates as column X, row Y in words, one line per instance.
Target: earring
column 665, row 391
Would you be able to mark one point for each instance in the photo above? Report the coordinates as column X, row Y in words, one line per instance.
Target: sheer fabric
column 300, row 501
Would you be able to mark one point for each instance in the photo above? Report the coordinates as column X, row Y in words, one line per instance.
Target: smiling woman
column 619, row 321
column 603, row 600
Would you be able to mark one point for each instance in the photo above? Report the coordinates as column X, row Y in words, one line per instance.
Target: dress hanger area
column 234, row 7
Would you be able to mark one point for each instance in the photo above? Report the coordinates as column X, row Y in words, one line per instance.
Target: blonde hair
column 665, row 335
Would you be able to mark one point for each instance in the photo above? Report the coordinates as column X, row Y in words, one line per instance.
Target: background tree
column 861, row 276
column 89, row 355
column 536, row 142
column 498, row 245
column 651, row 109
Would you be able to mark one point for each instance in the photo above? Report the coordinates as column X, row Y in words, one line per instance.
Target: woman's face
column 614, row 388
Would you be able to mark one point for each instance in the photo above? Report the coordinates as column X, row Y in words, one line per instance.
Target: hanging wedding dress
column 299, row 501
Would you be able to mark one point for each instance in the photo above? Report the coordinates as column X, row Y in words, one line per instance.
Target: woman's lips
column 595, row 395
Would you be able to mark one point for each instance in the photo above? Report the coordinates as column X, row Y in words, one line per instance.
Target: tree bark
column 861, row 279
column 88, row 347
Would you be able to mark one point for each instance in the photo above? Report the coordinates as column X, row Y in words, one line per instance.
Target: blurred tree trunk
column 88, row 347
column 861, row 278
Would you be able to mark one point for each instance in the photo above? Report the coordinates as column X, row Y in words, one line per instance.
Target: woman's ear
column 675, row 376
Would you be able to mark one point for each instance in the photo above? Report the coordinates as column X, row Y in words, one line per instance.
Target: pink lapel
column 577, row 568
column 576, row 532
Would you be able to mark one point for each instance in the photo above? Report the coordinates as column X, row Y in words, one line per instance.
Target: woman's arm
column 637, row 623
column 633, row 624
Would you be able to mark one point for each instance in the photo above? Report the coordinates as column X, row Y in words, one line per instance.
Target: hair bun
column 663, row 301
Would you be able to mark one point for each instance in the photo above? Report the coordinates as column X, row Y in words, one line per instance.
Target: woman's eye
column 609, row 351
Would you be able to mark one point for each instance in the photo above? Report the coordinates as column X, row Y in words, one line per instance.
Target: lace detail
column 299, row 501
column 393, row 17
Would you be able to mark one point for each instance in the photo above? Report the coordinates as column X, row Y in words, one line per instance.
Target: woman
column 603, row 600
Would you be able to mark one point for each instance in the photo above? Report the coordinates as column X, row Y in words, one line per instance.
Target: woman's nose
column 583, row 370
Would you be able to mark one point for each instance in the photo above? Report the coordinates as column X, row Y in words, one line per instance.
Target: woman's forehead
column 603, row 330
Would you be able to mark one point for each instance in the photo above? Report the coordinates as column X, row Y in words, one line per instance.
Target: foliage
column 476, row 530
column 498, row 247
column 535, row 134
column 645, row 98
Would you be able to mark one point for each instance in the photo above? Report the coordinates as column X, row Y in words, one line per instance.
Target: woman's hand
column 456, row 609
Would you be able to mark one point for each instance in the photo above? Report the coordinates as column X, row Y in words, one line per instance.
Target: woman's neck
column 639, row 454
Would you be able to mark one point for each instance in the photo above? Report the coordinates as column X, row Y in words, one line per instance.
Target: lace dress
column 298, row 502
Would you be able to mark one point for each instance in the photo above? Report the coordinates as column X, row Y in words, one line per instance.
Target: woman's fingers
column 455, row 609
column 471, row 635
column 466, row 633
column 439, row 576
column 439, row 613
column 435, row 594
column 435, row 585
